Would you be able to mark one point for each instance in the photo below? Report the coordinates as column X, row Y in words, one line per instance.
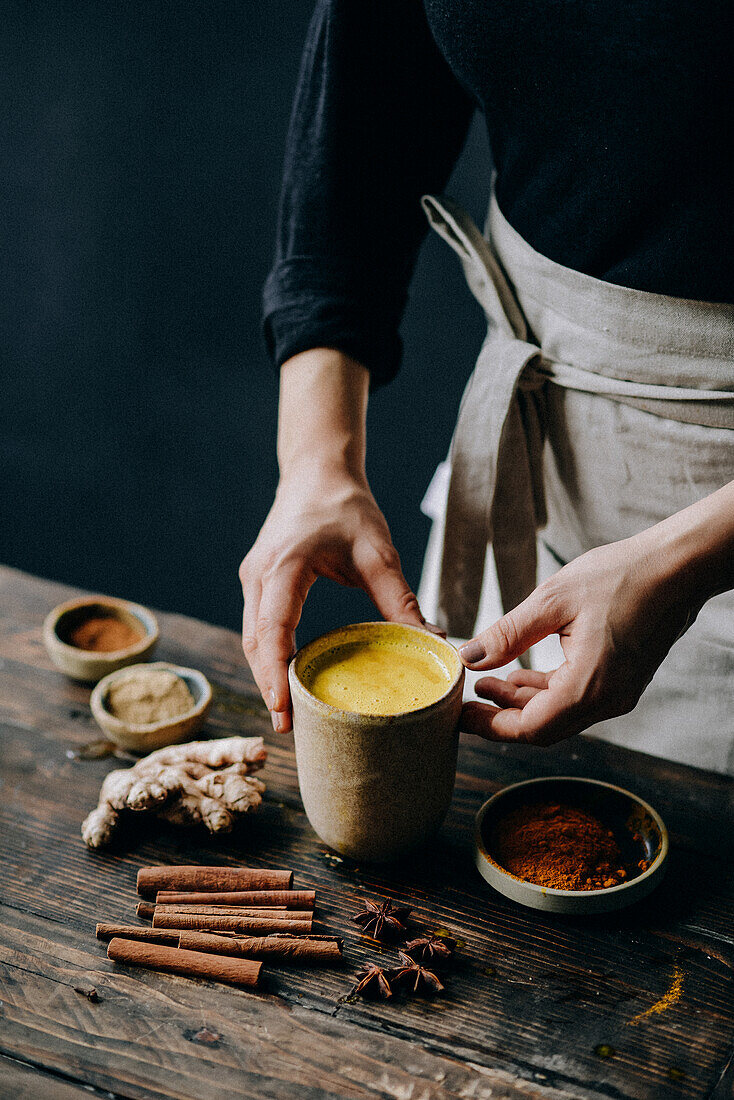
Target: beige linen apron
column 593, row 412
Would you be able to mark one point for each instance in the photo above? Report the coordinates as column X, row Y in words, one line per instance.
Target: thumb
column 383, row 581
column 531, row 621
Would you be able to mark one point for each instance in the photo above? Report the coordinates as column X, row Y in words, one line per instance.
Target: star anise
column 430, row 949
column 414, row 977
column 383, row 921
column 373, row 982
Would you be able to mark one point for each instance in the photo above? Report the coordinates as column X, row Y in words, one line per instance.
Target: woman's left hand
column 617, row 610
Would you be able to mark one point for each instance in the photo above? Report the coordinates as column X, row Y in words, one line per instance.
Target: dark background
column 140, row 154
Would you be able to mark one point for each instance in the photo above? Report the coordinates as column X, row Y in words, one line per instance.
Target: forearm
column 695, row 547
column 322, row 414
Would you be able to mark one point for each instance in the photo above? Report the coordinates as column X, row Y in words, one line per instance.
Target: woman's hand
column 322, row 524
column 617, row 609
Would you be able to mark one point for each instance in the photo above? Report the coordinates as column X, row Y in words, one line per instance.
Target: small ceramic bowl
column 88, row 665
column 156, row 735
column 623, row 812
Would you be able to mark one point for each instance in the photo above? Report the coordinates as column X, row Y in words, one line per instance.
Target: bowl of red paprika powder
column 569, row 845
column 91, row 636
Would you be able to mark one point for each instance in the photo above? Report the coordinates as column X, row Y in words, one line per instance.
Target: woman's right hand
column 324, row 522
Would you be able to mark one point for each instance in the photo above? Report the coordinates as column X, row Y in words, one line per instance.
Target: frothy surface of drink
column 389, row 676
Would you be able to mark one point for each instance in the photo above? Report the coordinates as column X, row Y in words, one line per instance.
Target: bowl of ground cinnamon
column 88, row 638
column 569, row 845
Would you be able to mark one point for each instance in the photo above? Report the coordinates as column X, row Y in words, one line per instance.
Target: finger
column 477, row 718
column 528, row 677
column 504, row 693
column 280, row 609
column 494, row 723
column 531, row 621
column 252, row 592
column 551, row 715
column 560, row 711
column 252, row 637
column 383, row 581
column 434, row 629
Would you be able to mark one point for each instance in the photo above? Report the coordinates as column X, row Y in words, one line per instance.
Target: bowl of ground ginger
column 569, row 845
column 93, row 635
column 146, row 707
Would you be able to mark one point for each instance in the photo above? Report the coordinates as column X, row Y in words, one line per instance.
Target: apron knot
column 535, row 373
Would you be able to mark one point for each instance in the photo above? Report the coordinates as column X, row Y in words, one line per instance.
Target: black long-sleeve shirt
column 610, row 128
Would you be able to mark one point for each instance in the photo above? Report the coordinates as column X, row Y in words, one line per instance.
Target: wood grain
column 24, row 1082
column 536, row 1006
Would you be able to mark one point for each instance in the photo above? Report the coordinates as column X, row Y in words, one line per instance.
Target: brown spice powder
column 104, row 634
column 558, row 846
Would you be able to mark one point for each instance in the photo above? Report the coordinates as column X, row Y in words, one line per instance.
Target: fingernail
column 472, row 652
column 434, row 629
column 279, row 722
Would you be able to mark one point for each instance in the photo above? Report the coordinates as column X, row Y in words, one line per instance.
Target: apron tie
column 496, row 487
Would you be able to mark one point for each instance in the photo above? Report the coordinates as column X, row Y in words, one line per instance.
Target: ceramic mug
column 375, row 786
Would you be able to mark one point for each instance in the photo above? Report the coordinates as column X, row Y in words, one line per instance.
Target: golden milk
column 390, row 676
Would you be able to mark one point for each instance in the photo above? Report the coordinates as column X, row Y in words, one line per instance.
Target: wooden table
column 536, row 1006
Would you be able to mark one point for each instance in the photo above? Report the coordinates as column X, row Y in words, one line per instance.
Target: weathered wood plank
column 159, row 1035
column 24, row 1082
column 536, row 1004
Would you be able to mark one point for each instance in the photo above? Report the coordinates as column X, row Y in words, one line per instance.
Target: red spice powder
column 558, row 846
column 104, row 634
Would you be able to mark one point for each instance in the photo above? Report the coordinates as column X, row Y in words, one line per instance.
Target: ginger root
column 202, row 782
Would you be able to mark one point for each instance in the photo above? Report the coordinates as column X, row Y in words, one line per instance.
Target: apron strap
column 495, row 492
column 484, row 275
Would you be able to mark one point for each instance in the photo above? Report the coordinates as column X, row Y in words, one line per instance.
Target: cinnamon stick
column 291, row 899
column 134, row 932
column 315, row 950
column 237, row 911
column 207, row 879
column 197, row 964
column 256, row 926
column 145, row 910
